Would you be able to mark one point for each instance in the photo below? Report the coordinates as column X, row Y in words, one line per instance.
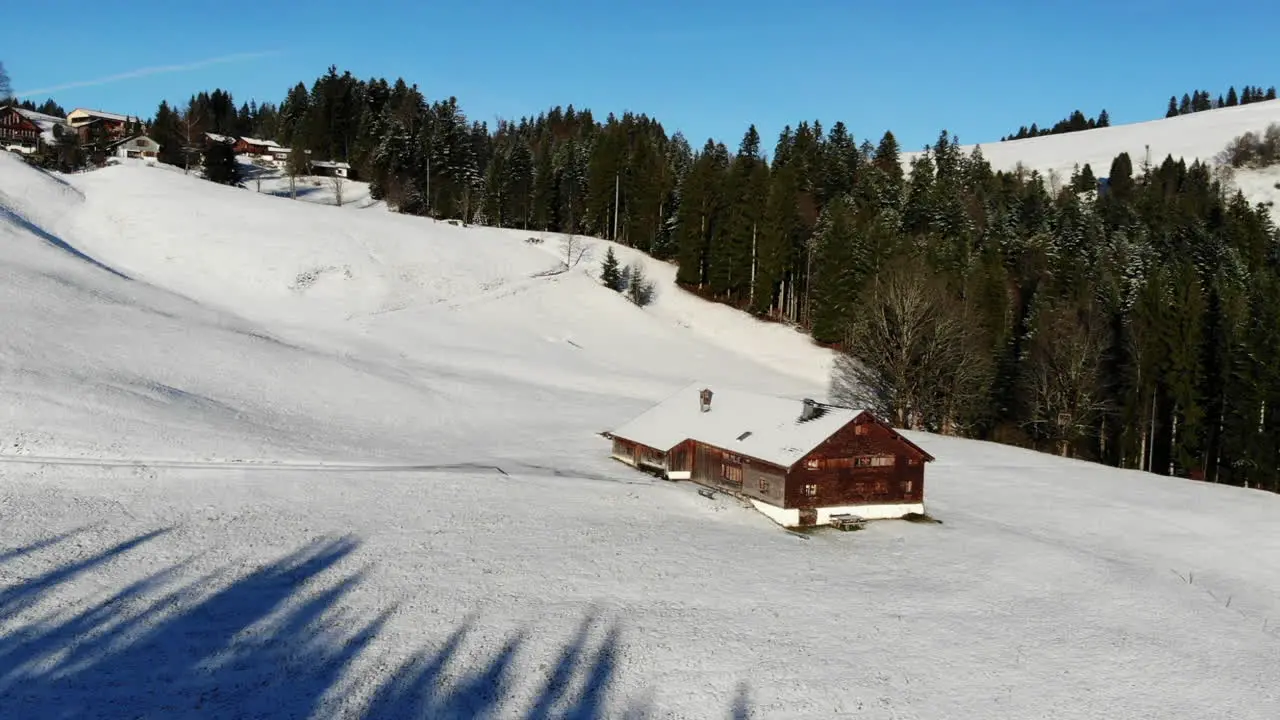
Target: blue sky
column 706, row 67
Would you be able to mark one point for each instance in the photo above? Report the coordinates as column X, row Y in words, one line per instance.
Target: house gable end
column 868, row 430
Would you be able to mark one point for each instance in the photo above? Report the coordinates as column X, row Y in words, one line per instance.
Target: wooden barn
column 799, row 462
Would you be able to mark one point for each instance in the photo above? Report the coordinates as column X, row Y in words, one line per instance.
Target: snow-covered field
column 1197, row 136
column 271, row 458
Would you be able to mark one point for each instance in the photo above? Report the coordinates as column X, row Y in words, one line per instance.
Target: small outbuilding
column 799, row 462
column 141, row 147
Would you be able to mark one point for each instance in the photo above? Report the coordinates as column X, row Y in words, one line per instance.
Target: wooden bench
column 847, row 522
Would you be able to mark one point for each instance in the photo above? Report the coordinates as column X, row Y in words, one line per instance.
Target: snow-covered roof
column 105, row 115
column 256, row 141
column 219, row 138
column 759, row 426
column 40, row 118
column 330, row 164
column 46, row 123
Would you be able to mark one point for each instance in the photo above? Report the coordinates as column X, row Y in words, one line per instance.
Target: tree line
column 1075, row 122
column 1201, row 100
column 1137, row 326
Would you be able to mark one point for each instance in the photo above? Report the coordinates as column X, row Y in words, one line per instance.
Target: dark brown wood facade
column 17, row 129
column 864, row 463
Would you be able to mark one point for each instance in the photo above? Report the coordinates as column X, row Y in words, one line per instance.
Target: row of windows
column 859, row 462
column 876, row 487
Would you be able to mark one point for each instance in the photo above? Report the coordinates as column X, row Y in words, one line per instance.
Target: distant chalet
column 798, row 462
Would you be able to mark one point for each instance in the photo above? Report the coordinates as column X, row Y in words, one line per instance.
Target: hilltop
column 1197, row 136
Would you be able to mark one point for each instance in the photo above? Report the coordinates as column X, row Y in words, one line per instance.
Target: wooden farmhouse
column 798, row 462
column 25, row 130
column 255, row 147
column 115, row 125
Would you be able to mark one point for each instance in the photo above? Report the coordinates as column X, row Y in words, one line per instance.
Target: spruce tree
column 220, row 164
column 1232, row 98
column 610, row 275
column 835, row 279
column 1173, row 107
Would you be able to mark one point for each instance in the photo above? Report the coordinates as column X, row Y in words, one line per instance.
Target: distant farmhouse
column 113, row 125
column 138, row 147
column 798, row 462
column 269, row 152
column 25, row 130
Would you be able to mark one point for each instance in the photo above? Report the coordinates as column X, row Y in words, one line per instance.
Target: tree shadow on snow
column 275, row 642
column 54, row 240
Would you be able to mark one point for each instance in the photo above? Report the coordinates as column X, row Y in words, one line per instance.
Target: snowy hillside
column 264, row 457
column 1201, row 136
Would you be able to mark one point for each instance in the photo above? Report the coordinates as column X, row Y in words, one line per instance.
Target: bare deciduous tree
column 911, row 353
column 1063, row 378
column 6, row 90
column 573, row 250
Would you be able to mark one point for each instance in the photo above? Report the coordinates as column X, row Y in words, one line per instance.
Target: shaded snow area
column 1197, row 136
column 262, row 458
column 264, row 178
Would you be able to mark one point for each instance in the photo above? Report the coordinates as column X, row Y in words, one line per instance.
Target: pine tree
column 165, row 130
column 639, row 288
column 836, row 282
column 220, row 164
column 1104, row 119
column 1173, row 107
column 610, row 275
column 1232, row 98
column 1271, row 93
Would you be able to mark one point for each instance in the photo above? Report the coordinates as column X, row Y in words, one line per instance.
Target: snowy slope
column 206, row 504
column 1201, row 136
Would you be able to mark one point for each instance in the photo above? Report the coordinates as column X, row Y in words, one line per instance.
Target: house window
column 813, row 464
column 732, row 473
column 764, row 485
column 860, row 430
column 873, row 461
column 906, row 486
column 811, row 490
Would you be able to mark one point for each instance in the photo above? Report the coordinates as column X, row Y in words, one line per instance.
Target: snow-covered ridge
column 1196, row 136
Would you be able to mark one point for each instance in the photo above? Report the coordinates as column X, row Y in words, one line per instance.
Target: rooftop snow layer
column 759, row 426
column 256, row 141
column 105, row 115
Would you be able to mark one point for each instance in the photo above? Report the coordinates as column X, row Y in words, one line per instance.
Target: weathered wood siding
column 764, row 482
column 680, row 459
column 720, row 468
column 864, row 463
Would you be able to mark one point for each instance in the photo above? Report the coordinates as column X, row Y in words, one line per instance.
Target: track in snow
column 258, row 464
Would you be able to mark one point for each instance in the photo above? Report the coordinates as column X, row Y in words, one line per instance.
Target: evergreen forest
column 1134, row 323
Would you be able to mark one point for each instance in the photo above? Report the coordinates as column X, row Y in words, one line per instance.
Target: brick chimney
column 704, row 399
